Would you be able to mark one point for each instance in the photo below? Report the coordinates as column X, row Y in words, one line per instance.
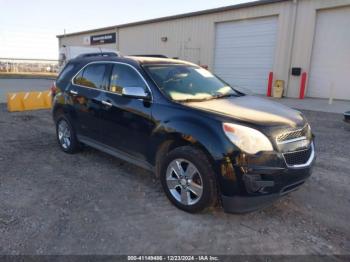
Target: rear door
column 86, row 94
column 127, row 123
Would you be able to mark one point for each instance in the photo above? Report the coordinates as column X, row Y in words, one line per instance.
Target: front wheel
column 188, row 179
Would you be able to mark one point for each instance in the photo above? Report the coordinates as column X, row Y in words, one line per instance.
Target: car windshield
column 186, row 83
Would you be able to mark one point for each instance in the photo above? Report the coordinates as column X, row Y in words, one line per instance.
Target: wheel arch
column 56, row 111
column 176, row 140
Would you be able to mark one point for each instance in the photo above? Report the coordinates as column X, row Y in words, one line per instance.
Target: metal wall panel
column 79, row 40
column 305, row 28
column 198, row 33
column 193, row 38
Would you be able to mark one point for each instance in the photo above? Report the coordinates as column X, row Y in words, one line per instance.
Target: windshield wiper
column 194, row 100
column 222, row 96
column 205, row 99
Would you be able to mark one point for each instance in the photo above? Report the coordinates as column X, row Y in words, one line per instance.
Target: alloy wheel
column 184, row 181
column 64, row 134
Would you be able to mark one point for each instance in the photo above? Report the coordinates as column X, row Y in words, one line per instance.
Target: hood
column 252, row 109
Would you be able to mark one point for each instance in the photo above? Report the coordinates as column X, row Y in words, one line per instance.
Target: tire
column 194, row 188
column 70, row 143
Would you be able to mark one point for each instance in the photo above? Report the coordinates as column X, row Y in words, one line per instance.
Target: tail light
column 53, row 89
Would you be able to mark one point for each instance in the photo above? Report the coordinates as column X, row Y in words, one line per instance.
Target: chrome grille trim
column 292, row 135
column 292, row 140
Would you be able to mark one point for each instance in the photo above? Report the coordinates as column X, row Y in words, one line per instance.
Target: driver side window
column 124, row 76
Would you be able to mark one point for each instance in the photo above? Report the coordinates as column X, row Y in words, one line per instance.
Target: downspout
column 118, row 39
column 294, row 21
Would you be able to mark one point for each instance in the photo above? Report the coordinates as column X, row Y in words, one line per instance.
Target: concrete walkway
column 315, row 104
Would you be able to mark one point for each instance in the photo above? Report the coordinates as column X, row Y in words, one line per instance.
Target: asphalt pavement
column 8, row 85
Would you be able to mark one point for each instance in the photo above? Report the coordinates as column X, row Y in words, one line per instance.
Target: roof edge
column 172, row 17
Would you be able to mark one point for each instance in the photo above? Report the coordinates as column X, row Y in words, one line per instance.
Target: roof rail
column 111, row 54
column 155, row 55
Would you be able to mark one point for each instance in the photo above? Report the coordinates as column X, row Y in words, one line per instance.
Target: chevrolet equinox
column 207, row 142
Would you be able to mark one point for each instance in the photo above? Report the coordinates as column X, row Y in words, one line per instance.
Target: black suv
column 207, row 142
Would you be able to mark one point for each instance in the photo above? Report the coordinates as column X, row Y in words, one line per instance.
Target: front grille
column 298, row 157
column 293, row 134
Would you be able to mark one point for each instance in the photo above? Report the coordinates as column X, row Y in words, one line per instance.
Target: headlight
column 247, row 139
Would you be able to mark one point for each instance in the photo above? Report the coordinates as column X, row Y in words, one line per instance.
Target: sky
column 28, row 28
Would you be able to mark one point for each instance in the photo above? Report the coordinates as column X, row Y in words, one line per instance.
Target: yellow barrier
column 23, row 101
column 15, row 101
column 47, row 99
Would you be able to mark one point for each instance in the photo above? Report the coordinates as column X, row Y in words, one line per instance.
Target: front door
column 127, row 123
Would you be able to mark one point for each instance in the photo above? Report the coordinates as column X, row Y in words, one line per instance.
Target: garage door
column 244, row 52
column 330, row 61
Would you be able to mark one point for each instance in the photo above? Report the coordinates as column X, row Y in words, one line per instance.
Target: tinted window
column 67, row 69
column 66, row 75
column 92, row 76
column 124, row 76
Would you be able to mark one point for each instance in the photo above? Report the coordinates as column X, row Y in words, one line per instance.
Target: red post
column 269, row 85
column 302, row 85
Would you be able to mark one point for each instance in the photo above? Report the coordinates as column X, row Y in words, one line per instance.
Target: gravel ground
column 91, row 203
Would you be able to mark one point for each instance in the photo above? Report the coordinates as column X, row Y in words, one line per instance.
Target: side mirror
column 135, row 92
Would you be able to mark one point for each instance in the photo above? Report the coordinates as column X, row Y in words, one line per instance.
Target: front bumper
column 263, row 181
column 244, row 204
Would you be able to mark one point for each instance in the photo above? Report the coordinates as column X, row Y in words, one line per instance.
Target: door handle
column 73, row 92
column 106, row 103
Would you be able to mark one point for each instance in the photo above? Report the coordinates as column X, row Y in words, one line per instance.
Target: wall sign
column 103, row 39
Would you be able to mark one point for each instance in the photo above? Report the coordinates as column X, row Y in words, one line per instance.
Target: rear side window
column 66, row 75
column 92, row 76
column 66, row 70
column 124, row 76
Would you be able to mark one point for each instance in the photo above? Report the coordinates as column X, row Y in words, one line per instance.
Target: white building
column 244, row 43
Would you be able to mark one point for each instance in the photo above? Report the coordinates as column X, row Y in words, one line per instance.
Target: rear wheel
column 66, row 136
column 188, row 179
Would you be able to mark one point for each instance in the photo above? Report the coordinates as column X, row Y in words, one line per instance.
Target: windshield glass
column 188, row 83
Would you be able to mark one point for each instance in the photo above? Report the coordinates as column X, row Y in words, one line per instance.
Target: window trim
column 110, row 62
